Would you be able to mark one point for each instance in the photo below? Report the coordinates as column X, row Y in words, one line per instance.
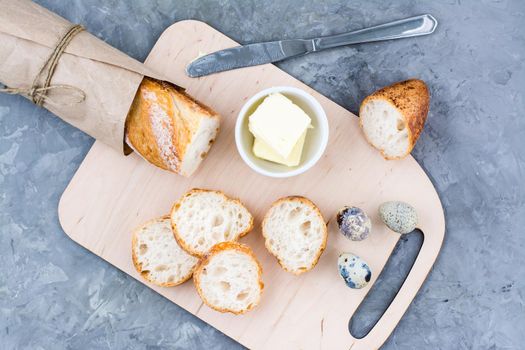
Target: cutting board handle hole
column 387, row 286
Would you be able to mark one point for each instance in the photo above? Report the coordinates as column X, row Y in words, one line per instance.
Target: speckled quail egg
column 354, row 223
column 398, row 216
column 354, row 270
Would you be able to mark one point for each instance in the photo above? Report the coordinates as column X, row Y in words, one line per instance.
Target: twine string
column 38, row 93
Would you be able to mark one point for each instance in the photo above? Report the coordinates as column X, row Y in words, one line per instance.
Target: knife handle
column 405, row 28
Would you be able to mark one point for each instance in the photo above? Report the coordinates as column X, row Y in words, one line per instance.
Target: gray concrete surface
column 56, row 295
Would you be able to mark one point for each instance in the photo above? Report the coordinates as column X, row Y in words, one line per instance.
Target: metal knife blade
column 274, row 51
column 248, row 55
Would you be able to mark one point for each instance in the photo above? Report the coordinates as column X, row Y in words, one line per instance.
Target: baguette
column 295, row 232
column 170, row 129
column 203, row 218
column 229, row 278
column 157, row 256
column 393, row 117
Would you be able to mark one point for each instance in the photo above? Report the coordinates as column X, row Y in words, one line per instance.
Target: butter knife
column 274, row 51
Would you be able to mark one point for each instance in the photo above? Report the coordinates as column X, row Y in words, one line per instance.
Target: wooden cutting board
column 111, row 194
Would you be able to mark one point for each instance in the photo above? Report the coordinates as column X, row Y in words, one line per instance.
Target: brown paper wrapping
column 108, row 77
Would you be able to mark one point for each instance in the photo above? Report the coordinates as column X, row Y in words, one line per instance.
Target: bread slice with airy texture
column 295, row 233
column 170, row 129
column 203, row 218
column 393, row 117
column 229, row 278
column 157, row 256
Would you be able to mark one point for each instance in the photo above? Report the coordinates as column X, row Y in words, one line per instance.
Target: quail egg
column 398, row 216
column 354, row 270
column 354, row 223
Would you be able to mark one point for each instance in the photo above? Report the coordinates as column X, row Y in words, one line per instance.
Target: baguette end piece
column 393, row 117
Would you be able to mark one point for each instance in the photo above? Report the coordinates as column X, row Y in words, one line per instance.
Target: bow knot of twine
column 38, row 91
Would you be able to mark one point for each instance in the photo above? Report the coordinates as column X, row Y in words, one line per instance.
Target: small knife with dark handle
column 274, row 51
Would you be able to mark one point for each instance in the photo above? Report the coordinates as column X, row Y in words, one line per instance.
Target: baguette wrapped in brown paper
column 106, row 78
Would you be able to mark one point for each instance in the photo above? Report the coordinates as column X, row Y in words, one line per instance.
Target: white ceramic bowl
column 316, row 138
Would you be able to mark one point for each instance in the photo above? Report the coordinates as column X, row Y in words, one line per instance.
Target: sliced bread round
column 229, row 278
column 157, row 256
column 393, row 117
column 203, row 218
column 295, row 233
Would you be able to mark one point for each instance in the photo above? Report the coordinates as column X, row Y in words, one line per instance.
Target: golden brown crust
column 412, row 99
column 196, row 106
column 138, row 265
column 314, row 207
column 177, row 205
column 184, row 116
column 220, row 247
column 139, row 133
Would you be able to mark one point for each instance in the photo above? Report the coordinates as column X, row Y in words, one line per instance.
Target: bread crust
column 140, row 129
column 177, row 205
column 138, row 265
column 412, row 99
column 217, row 248
column 314, row 207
